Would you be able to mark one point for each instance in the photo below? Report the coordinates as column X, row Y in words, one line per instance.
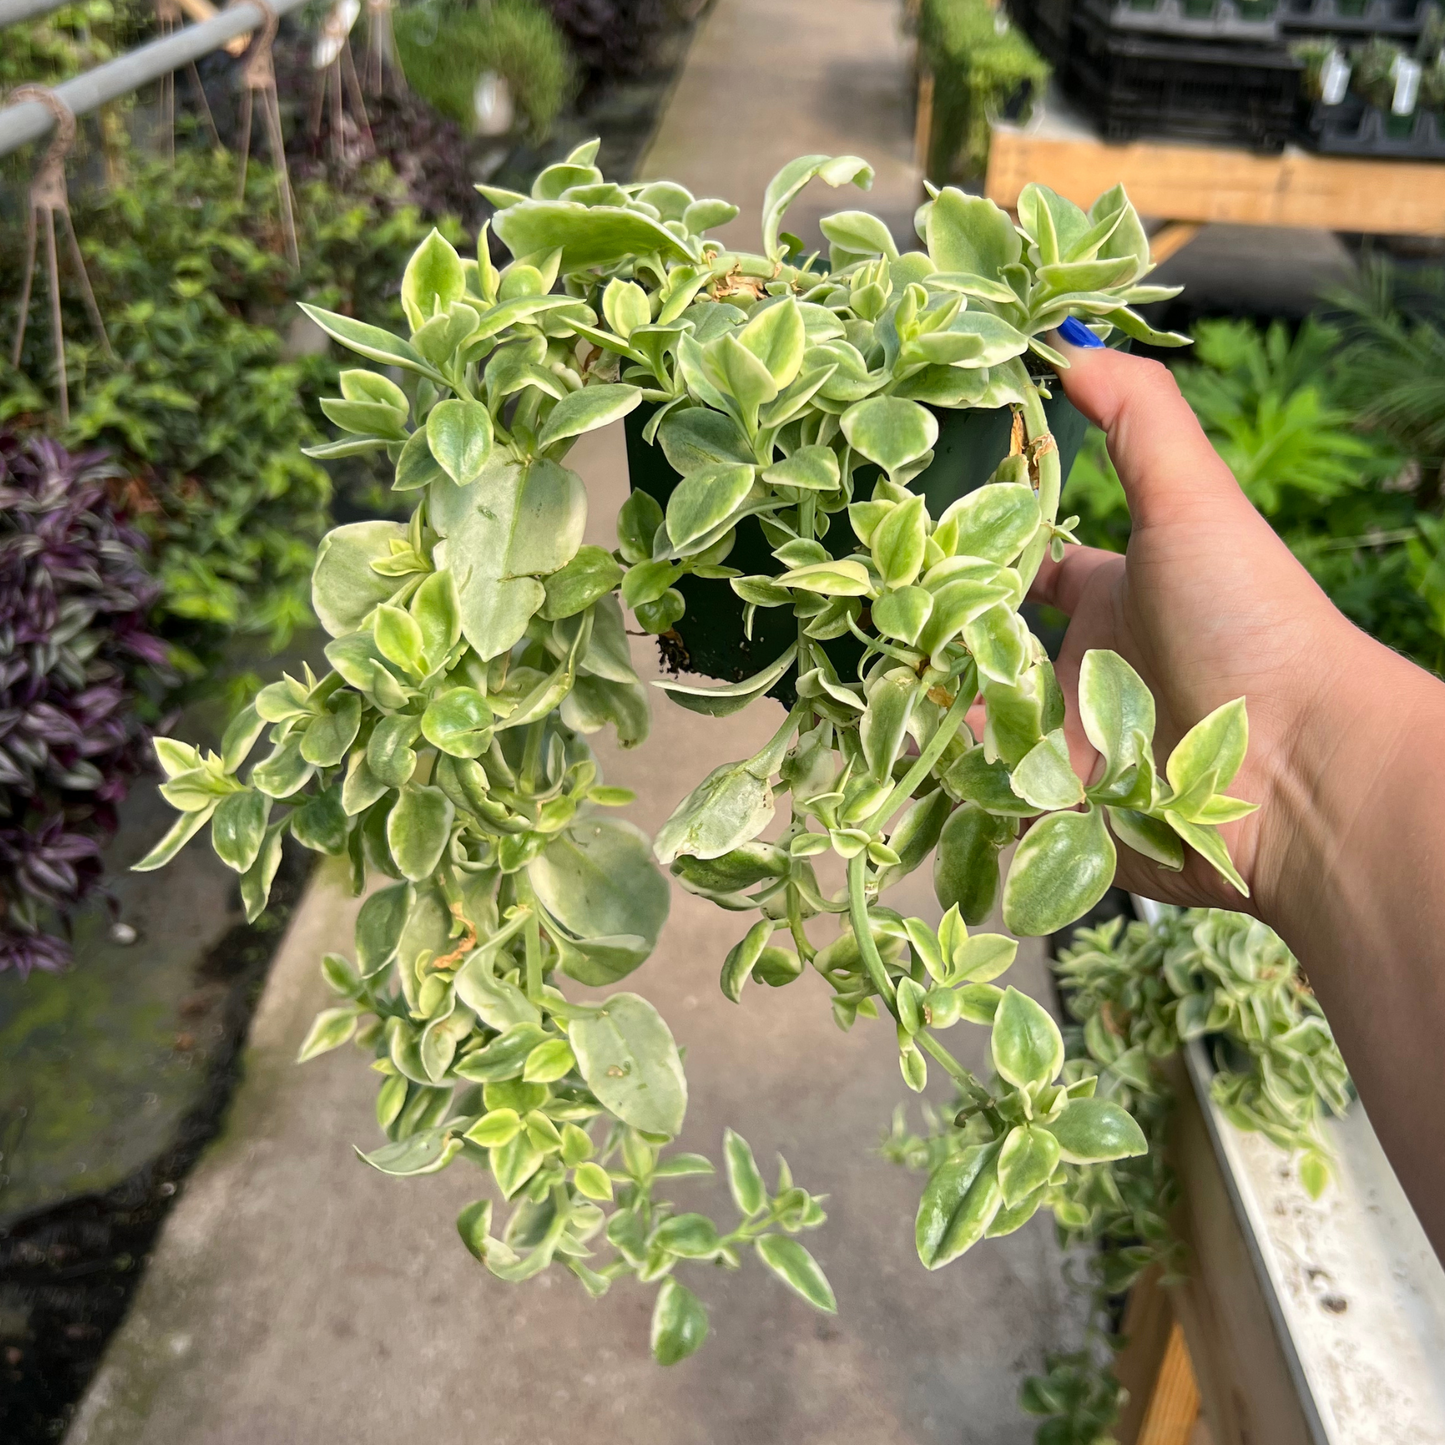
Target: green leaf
column 959, row 1203
column 589, row 236
column 586, row 410
column 847, row 578
column 398, row 638
column 372, row 342
column 833, row 170
column 328, row 738
column 1062, row 868
column 899, row 541
column 1029, row 1156
column 777, row 337
column 860, row 233
column 679, row 1323
column 731, row 697
column 630, row 1062
column 736, row 372
column 588, row 577
column 370, row 418
column 889, row 431
column 691, row 1236
column 598, row 881
column 549, row 1062
column 283, row 771
column 1026, row 1044
column 982, row 958
column 697, row 437
column 741, row 958
column 885, row 722
column 459, row 436
column 428, row 1151
column 970, row 234
column 701, row 502
column 517, row 523
column 965, row 871
column 1090, row 1131
column 418, row 829
column 238, row 828
column 625, row 305
column 902, row 614
column 729, row 807
column 995, row 522
column 1117, row 711
column 257, row 879
column 379, row 927
column 1148, row 836
column 458, row 721
column 433, row 279
column 744, row 1179
column 1045, row 777
column 344, row 588
column 798, row 1270
column 1204, row 839
column 321, row 824
column 330, row 1029
column 1215, row 744
column 592, row 1181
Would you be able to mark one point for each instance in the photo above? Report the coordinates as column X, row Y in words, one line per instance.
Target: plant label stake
column 258, row 74
column 331, row 59
column 168, row 18
column 381, row 72
column 47, row 197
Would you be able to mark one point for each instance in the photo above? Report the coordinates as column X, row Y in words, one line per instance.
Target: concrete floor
column 298, row 1298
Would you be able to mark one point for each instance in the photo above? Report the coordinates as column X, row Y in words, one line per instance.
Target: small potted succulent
column 476, row 646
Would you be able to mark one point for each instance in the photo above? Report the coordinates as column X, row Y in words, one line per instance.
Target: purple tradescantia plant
column 74, row 646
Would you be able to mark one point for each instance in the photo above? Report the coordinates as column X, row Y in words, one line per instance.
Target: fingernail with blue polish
column 1077, row 334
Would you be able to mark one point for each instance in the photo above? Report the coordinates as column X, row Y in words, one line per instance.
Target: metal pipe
column 12, row 12
column 30, row 120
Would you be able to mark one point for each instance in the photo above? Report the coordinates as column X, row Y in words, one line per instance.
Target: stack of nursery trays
column 1374, row 82
column 1207, row 70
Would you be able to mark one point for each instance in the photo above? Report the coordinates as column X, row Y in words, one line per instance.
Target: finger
column 1062, row 584
column 1163, row 458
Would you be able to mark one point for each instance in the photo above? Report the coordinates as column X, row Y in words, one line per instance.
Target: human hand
column 1207, row 605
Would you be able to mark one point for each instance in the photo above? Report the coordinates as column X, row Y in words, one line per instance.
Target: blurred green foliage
column 1330, row 432
column 214, row 389
column 445, row 47
column 982, row 66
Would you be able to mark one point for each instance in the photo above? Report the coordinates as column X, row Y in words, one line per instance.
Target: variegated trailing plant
column 475, row 647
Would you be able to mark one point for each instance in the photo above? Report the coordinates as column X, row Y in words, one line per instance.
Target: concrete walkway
column 298, row 1298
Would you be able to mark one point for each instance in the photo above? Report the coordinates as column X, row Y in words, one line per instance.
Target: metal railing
column 30, row 120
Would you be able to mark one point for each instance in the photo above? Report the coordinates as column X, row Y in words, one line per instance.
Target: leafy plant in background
column 1289, row 417
column 446, row 46
column 610, row 38
column 74, row 655
column 473, row 647
column 983, row 68
column 1141, row 992
column 202, row 404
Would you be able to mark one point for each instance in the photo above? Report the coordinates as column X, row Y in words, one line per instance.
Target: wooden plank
column 1247, row 1392
column 1148, row 1321
column 1169, row 240
column 1174, row 1404
column 1209, row 183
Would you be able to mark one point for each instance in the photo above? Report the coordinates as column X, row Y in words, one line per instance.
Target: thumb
column 1163, row 458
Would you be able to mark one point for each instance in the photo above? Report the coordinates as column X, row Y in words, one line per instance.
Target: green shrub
column 201, row 401
column 981, row 65
column 445, row 48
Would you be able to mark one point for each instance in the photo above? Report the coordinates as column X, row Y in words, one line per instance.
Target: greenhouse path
column 298, row 1298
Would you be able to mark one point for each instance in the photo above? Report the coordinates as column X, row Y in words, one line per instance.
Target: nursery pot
column 709, row 637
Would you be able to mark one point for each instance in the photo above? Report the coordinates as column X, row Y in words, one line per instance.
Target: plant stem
column 947, row 730
column 964, row 1078
column 533, row 934
column 531, row 754
column 858, row 913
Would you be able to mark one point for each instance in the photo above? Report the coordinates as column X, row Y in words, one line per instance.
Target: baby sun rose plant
column 474, row 649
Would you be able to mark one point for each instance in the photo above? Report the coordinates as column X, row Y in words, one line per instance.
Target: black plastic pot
column 709, row 638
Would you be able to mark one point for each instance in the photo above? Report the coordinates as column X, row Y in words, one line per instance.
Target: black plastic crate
column 1251, row 21
column 1400, row 18
column 1232, row 93
column 1355, row 128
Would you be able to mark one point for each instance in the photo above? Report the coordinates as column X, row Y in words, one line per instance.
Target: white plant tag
column 1407, row 86
column 1334, row 78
